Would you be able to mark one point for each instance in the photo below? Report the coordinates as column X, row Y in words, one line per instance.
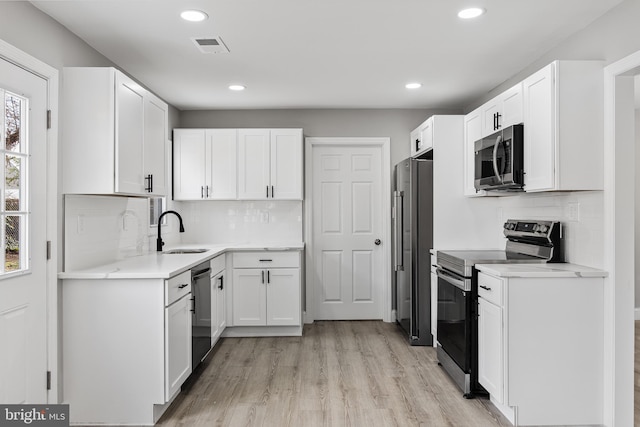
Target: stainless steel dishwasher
column 201, row 312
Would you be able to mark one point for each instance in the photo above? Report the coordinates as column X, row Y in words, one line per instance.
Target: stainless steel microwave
column 499, row 160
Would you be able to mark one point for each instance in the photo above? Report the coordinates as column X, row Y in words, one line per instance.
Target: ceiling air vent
column 210, row 44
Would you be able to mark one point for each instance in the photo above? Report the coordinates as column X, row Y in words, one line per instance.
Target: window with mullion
column 14, row 197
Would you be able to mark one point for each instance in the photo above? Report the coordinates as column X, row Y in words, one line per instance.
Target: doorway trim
column 619, row 146
column 385, row 144
column 50, row 75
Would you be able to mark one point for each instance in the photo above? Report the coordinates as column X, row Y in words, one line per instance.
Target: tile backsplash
column 581, row 214
column 101, row 229
column 242, row 221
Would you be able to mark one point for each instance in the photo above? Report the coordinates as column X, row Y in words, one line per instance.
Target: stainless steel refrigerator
column 413, row 230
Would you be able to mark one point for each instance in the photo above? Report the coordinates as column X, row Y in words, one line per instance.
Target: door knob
column 377, row 242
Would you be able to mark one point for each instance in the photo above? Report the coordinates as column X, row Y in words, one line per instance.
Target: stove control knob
column 544, row 228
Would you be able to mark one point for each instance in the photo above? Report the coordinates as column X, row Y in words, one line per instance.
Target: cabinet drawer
column 266, row 259
column 490, row 288
column 218, row 264
column 176, row 287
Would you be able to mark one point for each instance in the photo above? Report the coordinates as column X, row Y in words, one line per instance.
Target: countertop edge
column 541, row 270
column 118, row 269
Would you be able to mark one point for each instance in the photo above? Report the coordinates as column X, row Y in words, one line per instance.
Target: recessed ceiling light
column 413, row 85
column 194, row 15
column 237, row 87
column 470, row 13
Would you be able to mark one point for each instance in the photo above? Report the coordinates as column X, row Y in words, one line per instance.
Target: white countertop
column 540, row 270
column 157, row 265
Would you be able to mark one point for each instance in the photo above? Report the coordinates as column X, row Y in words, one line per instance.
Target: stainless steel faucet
column 159, row 242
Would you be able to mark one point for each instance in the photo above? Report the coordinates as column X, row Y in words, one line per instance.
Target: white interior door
column 347, row 220
column 23, row 196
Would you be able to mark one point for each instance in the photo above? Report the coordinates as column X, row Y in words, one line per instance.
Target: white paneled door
column 23, row 197
column 347, row 232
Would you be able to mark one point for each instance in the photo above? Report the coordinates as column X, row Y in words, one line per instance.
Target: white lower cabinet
column 177, row 329
column 490, row 349
column 218, row 297
column 541, row 348
column 266, row 289
column 126, row 346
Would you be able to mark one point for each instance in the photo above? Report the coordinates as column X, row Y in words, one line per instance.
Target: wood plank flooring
column 342, row 373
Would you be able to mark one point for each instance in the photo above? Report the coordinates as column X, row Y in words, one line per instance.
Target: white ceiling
column 324, row 54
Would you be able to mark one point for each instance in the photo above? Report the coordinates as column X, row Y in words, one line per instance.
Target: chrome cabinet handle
column 202, row 191
column 262, row 276
column 486, row 288
column 184, row 285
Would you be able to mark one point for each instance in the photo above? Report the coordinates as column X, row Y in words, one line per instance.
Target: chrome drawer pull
column 183, row 286
column 486, row 288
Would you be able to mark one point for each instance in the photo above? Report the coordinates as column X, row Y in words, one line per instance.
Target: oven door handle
column 450, row 278
column 495, row 159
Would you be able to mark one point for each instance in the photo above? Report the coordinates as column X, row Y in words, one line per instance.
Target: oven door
column 455, row 317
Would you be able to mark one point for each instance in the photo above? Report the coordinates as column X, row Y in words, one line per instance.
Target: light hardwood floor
column 347, row 373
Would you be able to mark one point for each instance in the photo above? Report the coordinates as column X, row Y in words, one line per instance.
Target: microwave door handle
column 495, row 159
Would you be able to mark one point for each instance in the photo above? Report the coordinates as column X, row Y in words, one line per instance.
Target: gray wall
column 393, row 123
column 610, row 38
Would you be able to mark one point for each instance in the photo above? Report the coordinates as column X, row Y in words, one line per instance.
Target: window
column 156, row 207
column 14, row 198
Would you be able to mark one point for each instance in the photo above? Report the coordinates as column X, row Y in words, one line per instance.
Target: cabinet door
column 490, row 349
column 512, row 106
column 155, row 149
column 286, row 164
column 129, row 109
column 177, row 329
column 426, row 136
column 221, row 161
column 188, row 164
column 414, row 141
column 434, row 307
column 472, row 133
column 283, row 296
column 222, row 302
column 253, row 164
column 215, row 296
column 491, row 116
column 249, row 297
column 540, row 130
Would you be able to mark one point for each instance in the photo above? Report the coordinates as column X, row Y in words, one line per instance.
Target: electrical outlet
column 573, row 211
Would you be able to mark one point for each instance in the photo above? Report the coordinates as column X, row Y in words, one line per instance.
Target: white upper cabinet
column 502, row 111
column 254, row 167
column 270, row 164
column 422, row 138
column 472, row 133
column 155, row 149
column 286, row 164
column 204, row 164
column 114, row 135
column 221, row 157
column 563, row 127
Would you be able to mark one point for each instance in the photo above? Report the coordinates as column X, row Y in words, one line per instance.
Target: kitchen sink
column 184, row 251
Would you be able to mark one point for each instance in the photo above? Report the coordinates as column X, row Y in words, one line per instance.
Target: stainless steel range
column 527, row 242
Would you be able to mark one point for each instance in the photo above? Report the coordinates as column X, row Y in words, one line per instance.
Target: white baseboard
column 637, row 313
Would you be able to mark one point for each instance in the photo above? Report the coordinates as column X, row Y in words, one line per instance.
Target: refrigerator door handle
column 399, row 261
